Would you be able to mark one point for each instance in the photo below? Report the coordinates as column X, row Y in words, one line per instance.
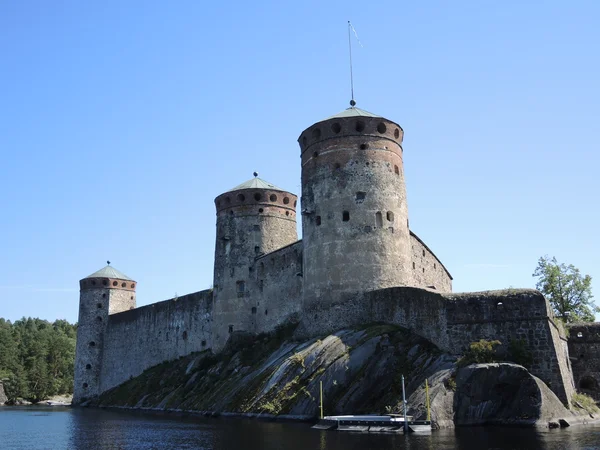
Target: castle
column 358, row 262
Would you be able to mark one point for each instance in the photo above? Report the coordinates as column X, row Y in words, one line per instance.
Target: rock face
column 3, row 398
column 361, row 372
column 505, row 394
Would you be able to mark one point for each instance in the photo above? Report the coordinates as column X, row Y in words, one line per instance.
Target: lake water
column 88, row 429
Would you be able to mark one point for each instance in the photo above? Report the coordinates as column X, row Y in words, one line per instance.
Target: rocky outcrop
column 3, row 398
column 506, row 394
column 361, row 372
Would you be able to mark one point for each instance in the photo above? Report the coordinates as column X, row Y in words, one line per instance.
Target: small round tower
column 354, row 210
column 253, row 218
column 102, row 293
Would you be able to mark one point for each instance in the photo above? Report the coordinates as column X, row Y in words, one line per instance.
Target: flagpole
column 352, row 102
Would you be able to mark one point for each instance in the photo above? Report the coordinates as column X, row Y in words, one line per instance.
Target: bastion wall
column 453, row 321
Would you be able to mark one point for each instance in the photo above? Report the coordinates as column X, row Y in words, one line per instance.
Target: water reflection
column 87, row 429
column 115, row 430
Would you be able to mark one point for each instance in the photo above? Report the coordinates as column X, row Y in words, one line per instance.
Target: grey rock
column 505, row 394
column 3, row 398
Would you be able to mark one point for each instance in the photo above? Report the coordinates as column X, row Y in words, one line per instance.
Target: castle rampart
column 428, row 270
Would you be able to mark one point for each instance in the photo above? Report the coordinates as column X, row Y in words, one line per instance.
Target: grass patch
column 585, row 402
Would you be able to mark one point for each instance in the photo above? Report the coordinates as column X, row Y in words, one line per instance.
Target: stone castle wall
column 584, row 348
column 141, row 338
column 428, row 270
column 278, row 288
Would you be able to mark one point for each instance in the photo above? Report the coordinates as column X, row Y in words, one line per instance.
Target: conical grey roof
column 109, row 272
column 256, row 183
column 353, row 111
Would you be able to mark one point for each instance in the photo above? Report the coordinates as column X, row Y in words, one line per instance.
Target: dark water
column 65, row 428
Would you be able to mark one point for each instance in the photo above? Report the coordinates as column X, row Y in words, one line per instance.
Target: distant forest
column 36, row 358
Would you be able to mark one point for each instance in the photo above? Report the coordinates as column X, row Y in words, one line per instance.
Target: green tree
column 36, row 358
column 568, row 291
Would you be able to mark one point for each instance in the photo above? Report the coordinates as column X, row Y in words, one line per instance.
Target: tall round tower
column 354, row 210
column 102, row 293
column 253, row 218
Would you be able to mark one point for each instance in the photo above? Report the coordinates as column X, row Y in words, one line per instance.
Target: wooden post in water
column 321, row 389
column 404, row 403
column 427, row 400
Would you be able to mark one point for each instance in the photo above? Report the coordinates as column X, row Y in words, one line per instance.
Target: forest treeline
column 36, row 358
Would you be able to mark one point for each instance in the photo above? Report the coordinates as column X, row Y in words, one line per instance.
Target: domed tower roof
column 109, row 272
column 256, row 192
column 256, row 183
column 353, row 111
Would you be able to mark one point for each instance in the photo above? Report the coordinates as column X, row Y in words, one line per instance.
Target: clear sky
column 121, row 121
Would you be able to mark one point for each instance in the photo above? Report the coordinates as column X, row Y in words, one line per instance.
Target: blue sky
column 120, row 122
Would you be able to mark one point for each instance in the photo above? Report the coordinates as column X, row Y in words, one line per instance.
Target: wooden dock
column 372, row 424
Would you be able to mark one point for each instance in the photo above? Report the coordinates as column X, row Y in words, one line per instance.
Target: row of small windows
column 114, row 283
column 258, row 197
column 415, row 266
column 359, row 126
column 378, row 218
column 260, row 211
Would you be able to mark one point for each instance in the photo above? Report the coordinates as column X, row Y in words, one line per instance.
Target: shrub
column 450, row 383
column 585, row 402
column 479, row 353
column 519, row 353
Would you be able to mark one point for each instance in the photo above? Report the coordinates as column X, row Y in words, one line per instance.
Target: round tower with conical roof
column 107, row 291
column 354, row 210
column 253, row 218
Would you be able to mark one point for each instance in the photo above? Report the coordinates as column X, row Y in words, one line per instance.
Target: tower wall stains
column 250, row 223
column 354, row 208
column 98, row 298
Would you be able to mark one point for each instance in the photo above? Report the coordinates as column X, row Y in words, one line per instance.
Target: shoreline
column 555, row 423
